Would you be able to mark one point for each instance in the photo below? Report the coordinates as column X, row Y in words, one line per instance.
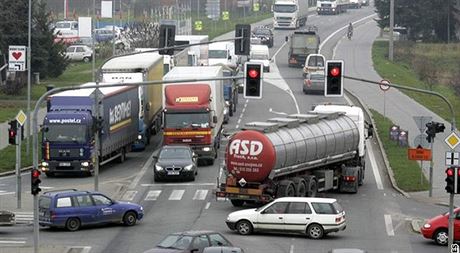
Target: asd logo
column 245, row 147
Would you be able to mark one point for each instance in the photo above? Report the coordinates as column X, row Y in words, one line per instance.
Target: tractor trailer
column 333, row 7
column 298, row 155
column 289, row 14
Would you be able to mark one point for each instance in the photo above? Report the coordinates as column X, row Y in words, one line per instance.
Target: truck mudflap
column 349, row 179
column 243, row 194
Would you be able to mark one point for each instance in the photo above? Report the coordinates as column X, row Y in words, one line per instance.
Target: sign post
column 384, row 86
column 452, row 141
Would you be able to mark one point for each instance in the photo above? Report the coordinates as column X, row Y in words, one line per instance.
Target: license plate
column 64, row 164
column 173, row 172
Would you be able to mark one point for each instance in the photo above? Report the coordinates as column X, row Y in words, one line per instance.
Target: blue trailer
column 230, row 90
column 69, row 127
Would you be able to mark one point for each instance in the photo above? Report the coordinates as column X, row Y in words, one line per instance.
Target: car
column 72, row 209
column 436, row 228
column 79, row 53
column 260, row 54
column 103, row 35
column 314, row 217
column 313, row 82
column 175, row 162
column 223, row 249
column 189, row 241
column 7, row 218
column 265, row 34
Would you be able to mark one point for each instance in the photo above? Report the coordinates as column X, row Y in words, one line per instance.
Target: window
column 64, row 202
column 176, row 241
column 80, row 50
column 200, row 242
column 324, row 208
column 101, row 200
column 218, row 240
column 299, row 208
column 277, row 208
column 70, row 49
column 44, row 202
column 83, row 200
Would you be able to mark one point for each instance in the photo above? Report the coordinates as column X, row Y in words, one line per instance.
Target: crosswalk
column 12, row 241
column 173, row 195
column 24, row 217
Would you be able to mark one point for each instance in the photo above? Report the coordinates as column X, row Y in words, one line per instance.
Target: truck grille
column 284, row 18
column 326, row 5
column 64, row 152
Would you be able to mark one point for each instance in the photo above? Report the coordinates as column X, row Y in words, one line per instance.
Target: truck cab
column 222, row 53
column 287, row 14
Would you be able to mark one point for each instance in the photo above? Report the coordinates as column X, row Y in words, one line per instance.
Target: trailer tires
column 237, row 202
column 300, row 187
column 244, row 227
column 286, row 188
column 312, row 186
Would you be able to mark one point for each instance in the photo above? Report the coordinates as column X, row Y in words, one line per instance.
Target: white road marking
column 389, row 225
column 141, row 173
column 200, row 194
column 152, row 195
column 24, row 216
column 239, row 120
column 12, row 242
column 6, row 193
column 46, row 187
column 207, row 205
column 375, row 169
column 291, row 249
column 84, row 249
column 176, row 194
column 129, row 195
column 179, row 184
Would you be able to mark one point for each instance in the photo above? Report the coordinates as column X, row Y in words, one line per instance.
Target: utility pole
column 392, row 24
column 29, row 59
column 448, row 23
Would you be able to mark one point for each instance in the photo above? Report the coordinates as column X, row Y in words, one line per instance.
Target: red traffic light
column 36, row 173
column 450, row 172
column 335, row 72
column 253, row 73
column 12, row 133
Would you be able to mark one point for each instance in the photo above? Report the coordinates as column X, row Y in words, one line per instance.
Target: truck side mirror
column 214, row 119
column 229, row 57
column 286, row 38
column 370, row 131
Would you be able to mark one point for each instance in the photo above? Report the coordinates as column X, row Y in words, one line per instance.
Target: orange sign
column 419, row 154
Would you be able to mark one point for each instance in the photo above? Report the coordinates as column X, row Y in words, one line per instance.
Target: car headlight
column 427, row 225
column 85, row 164
column 188, row 167
column 141, row 208
column 206, row 149
column 139, row 137
column 227, row 103
column 158, row 167
column 45, row 164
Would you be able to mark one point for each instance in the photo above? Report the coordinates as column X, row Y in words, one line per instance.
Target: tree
column 143, row 34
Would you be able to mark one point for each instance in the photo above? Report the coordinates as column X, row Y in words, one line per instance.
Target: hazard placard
column 419, row 154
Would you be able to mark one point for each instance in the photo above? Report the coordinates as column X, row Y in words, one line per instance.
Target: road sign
column 420, row 140
column 256, row 7
column 452, row 158
column 394, row 133
column 21, row 118
column 384, row 85
column 421, row 122
column 198, row 25
column 452, row 140
column 17, row 58
column 419, row 154
column 225, row 15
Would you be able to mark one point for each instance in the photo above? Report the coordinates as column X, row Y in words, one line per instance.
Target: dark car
column 7, row 218
column 175, row 162
column 265, row 35
column 190, row 241
column 72, row 209
column 223, row 249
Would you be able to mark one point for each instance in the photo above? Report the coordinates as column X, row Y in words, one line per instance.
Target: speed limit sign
column 384, row 85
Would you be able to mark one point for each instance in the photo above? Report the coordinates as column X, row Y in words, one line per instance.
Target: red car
column 436, row 228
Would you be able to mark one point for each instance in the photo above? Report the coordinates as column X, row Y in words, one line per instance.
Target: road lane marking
column 200, row 194
column 176, row 194
column 84, row 249
column 12, row 242
column 389, row 225
column 375, row 169
column 6, row 193
column 179, row 184
column 152, row 195
column 129, row 195
column 139, row 175
column 291, row 249
column 207, row 205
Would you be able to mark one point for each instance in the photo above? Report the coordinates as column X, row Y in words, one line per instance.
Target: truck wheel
column 237, row 202
column 286, row 188
column 230, row 110
column 122, row 157
column 312, row 186
column 300, row 187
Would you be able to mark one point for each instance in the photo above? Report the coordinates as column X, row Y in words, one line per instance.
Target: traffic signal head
column 167, row 39
column 439, row 127
column 12, row 132
column 334, row 79
column 243, row 44
column 253, row 80
column 35, row 181
column 450, row 180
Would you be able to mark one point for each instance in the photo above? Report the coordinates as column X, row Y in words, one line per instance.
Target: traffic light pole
column 430, row 191
column 18, row 165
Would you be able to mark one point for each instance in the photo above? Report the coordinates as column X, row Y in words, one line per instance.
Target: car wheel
column 73, row 224
column 130, row 218
column 315, row 231
column 244, row 227
column 86, row 59
column 441, row 237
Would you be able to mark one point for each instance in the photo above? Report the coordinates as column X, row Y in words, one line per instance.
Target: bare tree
column 143, row 34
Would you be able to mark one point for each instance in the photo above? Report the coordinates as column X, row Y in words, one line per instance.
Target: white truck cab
column 260, row 54
column 288, row 14
column 222, row 53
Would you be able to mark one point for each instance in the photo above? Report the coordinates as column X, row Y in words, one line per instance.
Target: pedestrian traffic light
column 35, row 181
column 450, row 180
column 432, row 128
column 243, row 43
column 253, row 80
column 167, row 39
column 334, row 79
column 12, row 132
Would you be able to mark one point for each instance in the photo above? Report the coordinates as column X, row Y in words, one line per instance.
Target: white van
column 260, row 54
column 66, row 28
column 222, row 53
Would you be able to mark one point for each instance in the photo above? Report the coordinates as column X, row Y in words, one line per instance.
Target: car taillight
column 338, row 219
column 349, row 178
column 52, row 215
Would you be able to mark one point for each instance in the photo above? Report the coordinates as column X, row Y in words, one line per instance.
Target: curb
column 13, row 172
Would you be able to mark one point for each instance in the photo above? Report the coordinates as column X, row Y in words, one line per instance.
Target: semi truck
column 333, row 7
column 289, row 14
column 148, row 66
column 298, row 155
column 301, row 44
column 193, row 112
column 230, row 90
column 69, row 128
column 196, row 55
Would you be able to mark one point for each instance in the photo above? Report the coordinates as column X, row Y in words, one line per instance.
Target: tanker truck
column 297, row 155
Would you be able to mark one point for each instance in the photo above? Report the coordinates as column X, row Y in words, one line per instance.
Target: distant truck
column 355, row 4
column 140, row 68
column 332, row 6
column 289, row 14
column 196, row 55
column 223, row 53
column 69, row 128
column 66, row 31
column 193, row 112
column 301, row 44
column 298, row 155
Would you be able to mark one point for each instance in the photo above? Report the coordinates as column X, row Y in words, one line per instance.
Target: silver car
column 313, row 82
column 79, row 53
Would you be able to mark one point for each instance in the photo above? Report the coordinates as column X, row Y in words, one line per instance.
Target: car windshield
column 217, row 54
column 176, row 242
column 65, row 133
column 287, row 8
column 187, row 120
column 174, row 153
column 63, row 25
column 262, row 32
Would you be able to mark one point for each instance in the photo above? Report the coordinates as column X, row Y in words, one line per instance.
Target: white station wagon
column 314, row 217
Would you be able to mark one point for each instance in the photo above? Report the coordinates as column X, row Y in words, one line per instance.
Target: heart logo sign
column 17, row 55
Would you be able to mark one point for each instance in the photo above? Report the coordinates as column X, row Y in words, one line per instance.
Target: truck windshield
column 259, row 57
column 304, row 41
column 65, row 133
column 286, row 8
column 187, row 120
column 217, row 54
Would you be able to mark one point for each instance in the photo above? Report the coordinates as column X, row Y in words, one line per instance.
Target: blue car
column 72, row 209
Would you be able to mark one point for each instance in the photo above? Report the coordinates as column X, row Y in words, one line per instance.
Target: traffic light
column 334, row 79
column 242, row 45
column 12, row 132
column 167, row 39
column 432, row 128
column 253, row 80
column 35, row 181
